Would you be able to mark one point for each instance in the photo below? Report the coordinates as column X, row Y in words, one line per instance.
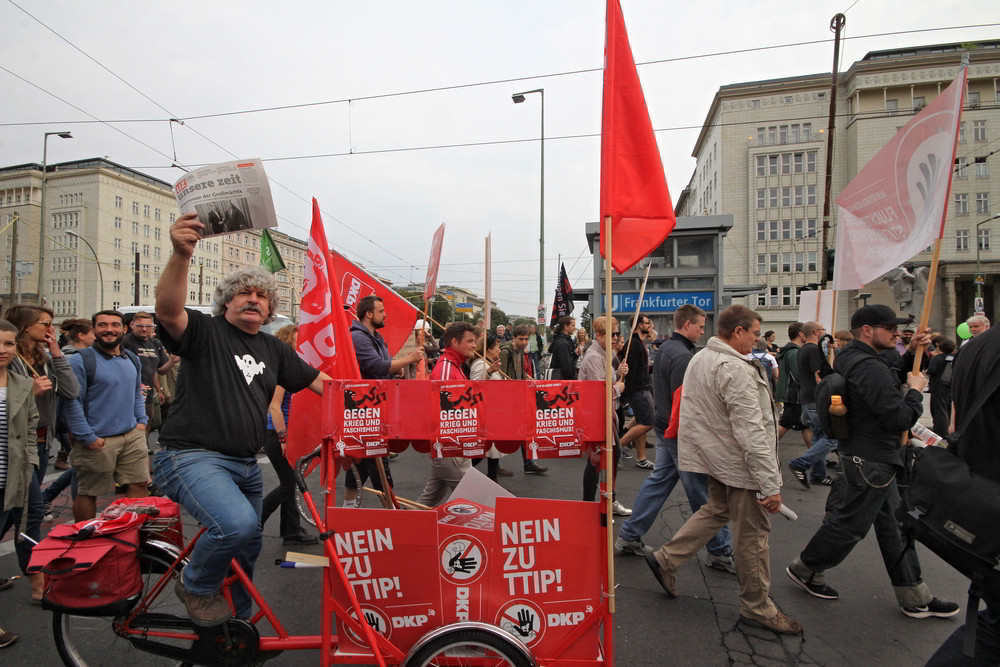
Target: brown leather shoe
column 205, row 610
column 667, row 581
column 783, row 625
column 6, row 638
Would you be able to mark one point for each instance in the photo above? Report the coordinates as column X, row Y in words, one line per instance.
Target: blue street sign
column 660, row 302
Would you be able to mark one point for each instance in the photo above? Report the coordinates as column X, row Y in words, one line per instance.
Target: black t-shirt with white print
column 226, row 382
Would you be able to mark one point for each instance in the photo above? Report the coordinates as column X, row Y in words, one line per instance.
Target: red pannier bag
column 91, row 568
column 163, row 517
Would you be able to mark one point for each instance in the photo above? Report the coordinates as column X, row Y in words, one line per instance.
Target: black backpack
column 835, row 384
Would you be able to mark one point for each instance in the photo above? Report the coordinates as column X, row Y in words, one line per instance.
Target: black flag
column 563, row 303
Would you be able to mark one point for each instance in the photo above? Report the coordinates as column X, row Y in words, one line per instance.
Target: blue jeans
column 33, row 522
column 870, row 498
column 815, row 457
column 52, row 491
column 225, row 495
column 658, row 486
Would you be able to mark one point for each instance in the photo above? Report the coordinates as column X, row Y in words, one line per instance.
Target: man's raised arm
column 171, row 291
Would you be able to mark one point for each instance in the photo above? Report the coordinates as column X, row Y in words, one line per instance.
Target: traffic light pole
column 836, row 25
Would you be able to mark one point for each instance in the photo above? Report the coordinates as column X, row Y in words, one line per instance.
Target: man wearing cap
column 877, row 413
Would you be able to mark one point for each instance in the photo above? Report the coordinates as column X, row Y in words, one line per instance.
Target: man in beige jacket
column 728, row 430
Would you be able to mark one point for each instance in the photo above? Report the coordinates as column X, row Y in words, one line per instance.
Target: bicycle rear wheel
column 89, row 641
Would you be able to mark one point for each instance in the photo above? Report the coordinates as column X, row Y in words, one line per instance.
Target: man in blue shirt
column 374, row 363
column 108, row 420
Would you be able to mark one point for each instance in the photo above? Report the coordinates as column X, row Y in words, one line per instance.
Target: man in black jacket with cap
column 877, row 413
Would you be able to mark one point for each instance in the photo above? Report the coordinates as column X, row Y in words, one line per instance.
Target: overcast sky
column 390, row 170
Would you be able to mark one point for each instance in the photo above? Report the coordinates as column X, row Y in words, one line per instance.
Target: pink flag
column 895, row 207
column 323, row 341
column 435, row 261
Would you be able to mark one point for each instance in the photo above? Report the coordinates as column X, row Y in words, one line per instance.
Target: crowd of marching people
column 709, row 414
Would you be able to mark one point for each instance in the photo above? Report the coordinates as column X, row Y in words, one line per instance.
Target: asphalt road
column 699, row 627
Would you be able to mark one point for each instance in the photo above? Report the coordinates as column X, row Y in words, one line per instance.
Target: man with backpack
column 877, row 413
column 787, row 391
column 107, row 421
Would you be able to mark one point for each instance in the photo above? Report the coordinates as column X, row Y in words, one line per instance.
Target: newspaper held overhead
column 228, row 197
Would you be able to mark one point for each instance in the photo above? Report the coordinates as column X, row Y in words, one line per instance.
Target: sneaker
column 935, row 607
column 634, row 547
column 6, row 583
column 620, row 510
column 800, row 475
column 626, row 452
column 667, row 581
column 6, row 638
column 532, row 468
column 816, row 590
column 826, row 481
column 783, row 625
column 721, row 563
column 644, row 464
column 49, row 515
column 205, row 610
column 301, row 538
column 503, row 472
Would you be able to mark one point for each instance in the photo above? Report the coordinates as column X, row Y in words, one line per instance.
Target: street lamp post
column 979, row 245
column 41, row 222
column 518, row 98
column 100, row 273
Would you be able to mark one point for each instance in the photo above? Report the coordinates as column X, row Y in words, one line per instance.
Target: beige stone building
column 122, row 214
column 761, row 156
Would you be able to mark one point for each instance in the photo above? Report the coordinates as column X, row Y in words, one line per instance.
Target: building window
column 979, row 130
column 786, row 230
column 891, row 107
column 786, row 262
column 156, row 214
column 135, row 227
column 118, row 244
column 786, row 163
column 982, row 202
column 156, row 252
column 982, row 167
column 798, row 195
column 973, row 99
column 786, row 196
column 761, row 263
column 773, row 230
column 145, row 230
column 772, row 134
column 810, row 194
column 118, row 223
column 145, row 250
column 962, row 167
column 772, row 165
column 760, row 136
column 772, row 197
column 761, row 231
column 786, row 297
column 961, row 203
column 919, row 103
column 806, row 131
column 800, row 262
column 145, row 210
column 799, row 227
column 811, row 257
column 811, row 162
column 173, row 218
column 118, row 265
column 116, row 286
column 798, row 163
column 773, row 297
column 156, row 233
column 760, row 198
column 135, row 247
column 783, row 134
column 773, row 263
column 811, row 228
column 984, row 239
column 135, row 207
column 793, row 134
column 761, row 165
column 961, row 132
column 962, row 240
column 118, row 201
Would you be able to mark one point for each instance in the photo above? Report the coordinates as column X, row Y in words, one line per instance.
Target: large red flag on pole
column 324, row 341
column 633, row 188
column 895, row 207
column 356, row 283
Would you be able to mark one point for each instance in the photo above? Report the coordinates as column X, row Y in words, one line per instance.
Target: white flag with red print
column 895, row 207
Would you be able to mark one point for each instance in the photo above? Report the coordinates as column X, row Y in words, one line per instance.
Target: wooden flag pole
column 638, row 307
column 925, row 314
column 609, row 414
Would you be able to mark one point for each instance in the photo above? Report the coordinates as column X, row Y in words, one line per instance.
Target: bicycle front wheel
column 469, row 647
column 90, row 641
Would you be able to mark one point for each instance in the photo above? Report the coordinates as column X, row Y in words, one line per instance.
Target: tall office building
column 761, row 157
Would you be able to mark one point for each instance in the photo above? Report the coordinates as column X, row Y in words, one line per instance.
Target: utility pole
column 201, row 282
column 135, row 297
column 836, row 25
column 13, row 258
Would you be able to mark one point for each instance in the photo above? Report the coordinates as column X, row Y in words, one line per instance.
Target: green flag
column 269, row 256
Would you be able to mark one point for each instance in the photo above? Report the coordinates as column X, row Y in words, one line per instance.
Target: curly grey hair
column 255, row 277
